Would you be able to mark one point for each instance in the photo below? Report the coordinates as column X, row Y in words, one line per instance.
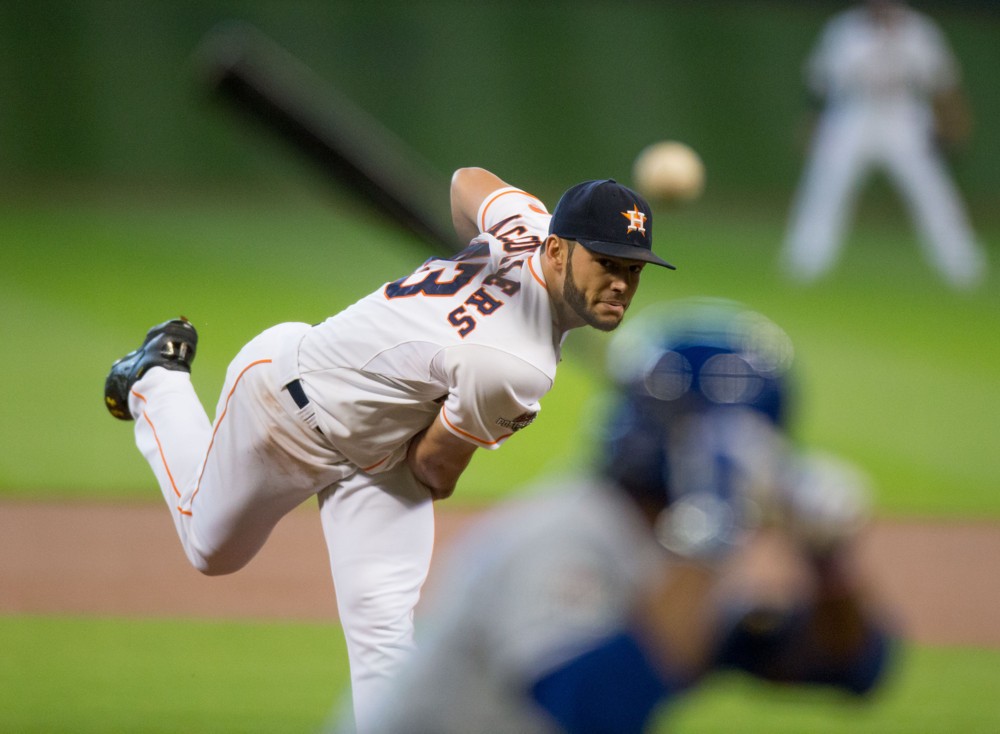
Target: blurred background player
column 891, row 95
column 702, row 542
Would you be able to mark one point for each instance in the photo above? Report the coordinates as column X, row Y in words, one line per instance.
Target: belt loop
column 294, row 389
column 298, row 394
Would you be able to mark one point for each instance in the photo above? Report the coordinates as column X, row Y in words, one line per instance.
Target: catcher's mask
column 697, row 383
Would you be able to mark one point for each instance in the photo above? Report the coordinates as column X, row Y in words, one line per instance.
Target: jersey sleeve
column 518, row 219
column 823, row 59
column 492, row 393
column 942, row 70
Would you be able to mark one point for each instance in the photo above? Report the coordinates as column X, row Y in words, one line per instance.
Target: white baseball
column 669, row 171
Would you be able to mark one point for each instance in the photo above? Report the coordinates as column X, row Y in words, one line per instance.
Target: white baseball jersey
column 860, row 61
column 533, row 586
column 470, row 339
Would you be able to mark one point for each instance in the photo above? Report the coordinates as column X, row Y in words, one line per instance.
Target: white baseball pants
column 848, row 144
column 227, row 485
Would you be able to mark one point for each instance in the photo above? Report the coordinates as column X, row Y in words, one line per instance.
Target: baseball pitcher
column 377, row 410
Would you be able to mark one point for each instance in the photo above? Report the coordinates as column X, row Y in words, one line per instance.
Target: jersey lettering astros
column 468, row 340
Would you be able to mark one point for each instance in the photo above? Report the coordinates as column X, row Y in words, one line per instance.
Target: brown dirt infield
column 102, row 559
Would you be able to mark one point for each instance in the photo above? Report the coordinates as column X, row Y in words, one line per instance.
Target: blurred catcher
column 700, row 543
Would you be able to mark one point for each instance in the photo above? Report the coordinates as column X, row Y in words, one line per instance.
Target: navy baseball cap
column 607, row 218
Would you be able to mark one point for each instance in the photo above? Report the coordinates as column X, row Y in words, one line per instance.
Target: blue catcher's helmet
column 696, row 357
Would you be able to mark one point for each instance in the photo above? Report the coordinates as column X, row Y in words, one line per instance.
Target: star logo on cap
column 636, row 220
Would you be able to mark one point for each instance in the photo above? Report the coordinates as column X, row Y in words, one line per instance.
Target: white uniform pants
column 228, row 484
column 847, row 145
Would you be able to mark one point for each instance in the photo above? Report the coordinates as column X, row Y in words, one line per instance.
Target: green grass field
column 156, row 676
column 896, row 372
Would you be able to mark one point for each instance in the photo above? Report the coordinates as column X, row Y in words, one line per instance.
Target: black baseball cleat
column 171, row 344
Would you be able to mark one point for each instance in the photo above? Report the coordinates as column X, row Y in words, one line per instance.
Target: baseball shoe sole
column 171, row 345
